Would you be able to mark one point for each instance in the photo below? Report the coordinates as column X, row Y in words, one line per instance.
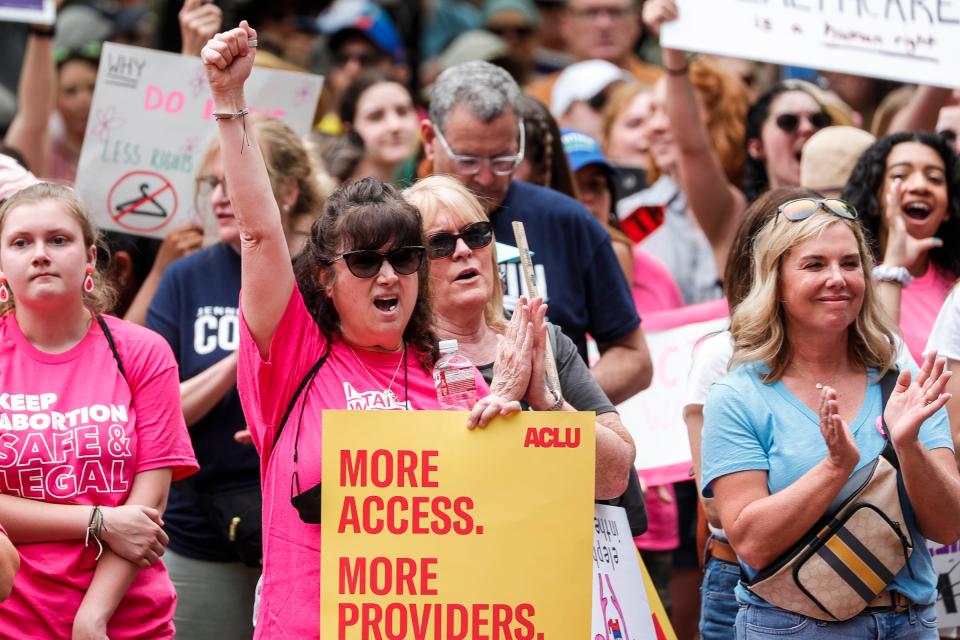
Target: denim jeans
column 718, row 604
column 917, row 623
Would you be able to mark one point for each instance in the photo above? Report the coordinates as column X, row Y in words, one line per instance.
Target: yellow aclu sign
column 432, row 531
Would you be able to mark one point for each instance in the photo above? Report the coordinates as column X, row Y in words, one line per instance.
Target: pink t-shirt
column 290, row 601
column 73, row 431
column 919, row 305
column 654, row 288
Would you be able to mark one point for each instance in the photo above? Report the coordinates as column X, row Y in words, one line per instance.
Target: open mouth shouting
column 918, row 210
column 387, row 303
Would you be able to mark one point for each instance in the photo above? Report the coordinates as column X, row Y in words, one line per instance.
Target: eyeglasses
column 366, row 263
column 512, row 32
column 615, row 13
column 949, row 135
column 803, row 208
column 471, row 165
column 476, row 236
column 207, row 184
column 365, row 59
column 790, row 122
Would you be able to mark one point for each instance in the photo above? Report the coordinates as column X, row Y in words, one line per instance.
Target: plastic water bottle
column 454, row 376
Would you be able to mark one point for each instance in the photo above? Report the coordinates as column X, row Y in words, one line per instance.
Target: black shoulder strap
column 887, row 383
column 296, row 394
column 113, row 345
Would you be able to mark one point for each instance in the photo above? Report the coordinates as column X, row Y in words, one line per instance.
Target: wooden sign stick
column 526, row 265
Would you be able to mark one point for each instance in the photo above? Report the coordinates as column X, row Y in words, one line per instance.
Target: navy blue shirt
column 577, row 272
column 196, row 311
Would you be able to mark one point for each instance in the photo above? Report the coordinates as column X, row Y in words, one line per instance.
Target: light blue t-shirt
column 749, row 426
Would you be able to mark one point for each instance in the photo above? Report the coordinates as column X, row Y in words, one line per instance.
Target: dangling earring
column 88, row 280
column 4, row 291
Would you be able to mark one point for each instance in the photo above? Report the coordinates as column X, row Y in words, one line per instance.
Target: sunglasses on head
column 87, row 51
column 803, row 208
column 476, row 236
column 366, row 263
column 790, row 122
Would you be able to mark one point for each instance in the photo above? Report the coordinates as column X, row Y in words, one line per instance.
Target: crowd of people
column 178, row 385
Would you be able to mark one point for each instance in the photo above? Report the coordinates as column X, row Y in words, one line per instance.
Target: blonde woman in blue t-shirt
column 797, row 416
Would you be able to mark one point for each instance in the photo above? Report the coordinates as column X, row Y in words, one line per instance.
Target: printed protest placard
column 907, row 40
column 654, row 416
column 946, row 562
column 432, row 530
column 150, row 125
column 621, row 609
column 31, row 11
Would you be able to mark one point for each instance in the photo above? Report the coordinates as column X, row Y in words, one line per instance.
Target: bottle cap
column 449, row 346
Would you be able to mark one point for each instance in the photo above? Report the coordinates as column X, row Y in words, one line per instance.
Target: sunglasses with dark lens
column 949, row 135
column 790, row 122
column 803, row 208
column 476, row 236
column 366, row 263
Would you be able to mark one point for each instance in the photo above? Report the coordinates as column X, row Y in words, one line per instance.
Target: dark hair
column 544, row 148
column 366, row 214
column 356, row 89
column 738, row 274
column 755, row 179
column 866, row 182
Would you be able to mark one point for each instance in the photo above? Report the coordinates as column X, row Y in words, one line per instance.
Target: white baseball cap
column 582, row 81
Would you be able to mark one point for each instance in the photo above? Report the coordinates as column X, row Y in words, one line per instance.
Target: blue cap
column 367, row 19
column 582, row 150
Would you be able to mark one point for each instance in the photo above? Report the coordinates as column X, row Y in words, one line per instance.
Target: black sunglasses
column 790, row 122
column 803, row 208
column 476, row 235
column 366, row 263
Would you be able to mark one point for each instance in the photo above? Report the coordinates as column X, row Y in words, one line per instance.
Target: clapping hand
column 511, row 369
column 842, row 452
column 913, row 401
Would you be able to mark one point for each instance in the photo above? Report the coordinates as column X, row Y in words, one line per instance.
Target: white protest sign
column 946, row 562
column 654, row 416
column 621, row 610
column 150, row 124
column 907, row 40
column 31, row 11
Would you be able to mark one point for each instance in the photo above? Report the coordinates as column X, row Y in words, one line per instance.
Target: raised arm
column 717, row 204
column 36, row 94
column 267, row 277
column 921, row 112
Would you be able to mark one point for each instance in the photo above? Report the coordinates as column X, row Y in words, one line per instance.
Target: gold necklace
column 388, row 391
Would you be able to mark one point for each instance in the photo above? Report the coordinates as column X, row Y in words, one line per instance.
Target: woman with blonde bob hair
column 467, row 299
column 800, row 411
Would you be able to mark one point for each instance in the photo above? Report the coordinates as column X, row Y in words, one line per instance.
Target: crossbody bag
column 854, row 552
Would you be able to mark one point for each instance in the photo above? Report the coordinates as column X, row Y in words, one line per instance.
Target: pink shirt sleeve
column 266, row 385
column 162, row 438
